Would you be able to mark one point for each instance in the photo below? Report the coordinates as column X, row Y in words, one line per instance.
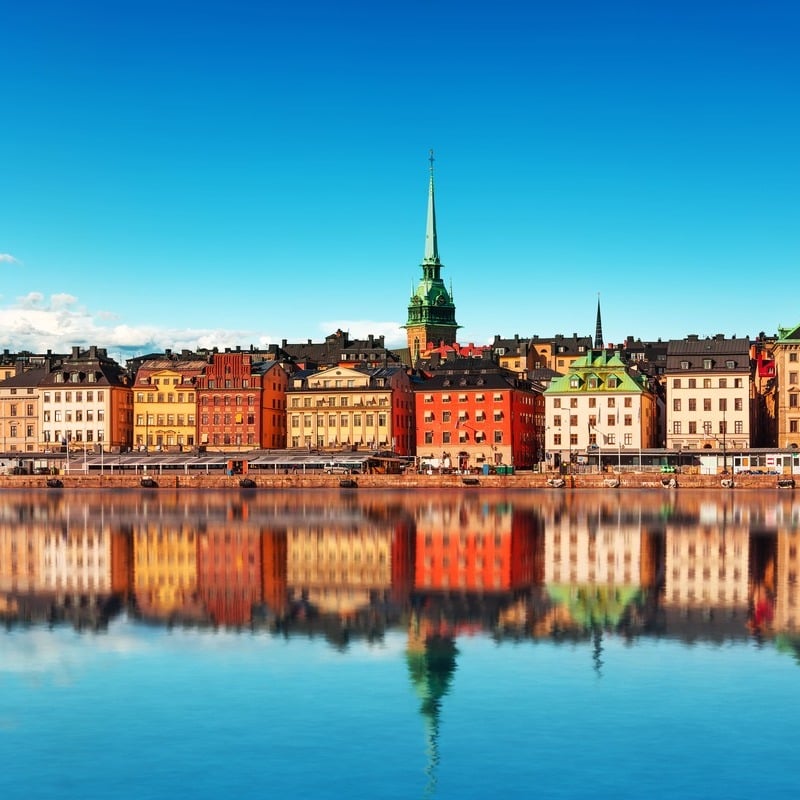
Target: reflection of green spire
column 431, row 669
column 591, row 605
column 788, row 644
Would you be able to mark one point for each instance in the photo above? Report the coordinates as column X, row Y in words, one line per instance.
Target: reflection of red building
column 229, row 574
column 476, row 549
column 274, row 570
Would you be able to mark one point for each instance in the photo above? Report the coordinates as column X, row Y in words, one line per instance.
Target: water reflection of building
column 598, row 564
column 787, row 588
column 706, row 586
column 165, row 570
column 475, row 547
column 229, row 573
column 342, row 567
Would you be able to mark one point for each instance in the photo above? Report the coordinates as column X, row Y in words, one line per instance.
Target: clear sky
column 187, row 173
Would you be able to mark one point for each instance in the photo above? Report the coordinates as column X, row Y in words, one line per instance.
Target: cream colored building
column 351, row 407
column 708, row 393
column 601, row 407
column 786, row 352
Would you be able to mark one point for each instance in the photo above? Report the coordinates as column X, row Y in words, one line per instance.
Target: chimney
column 76, row 351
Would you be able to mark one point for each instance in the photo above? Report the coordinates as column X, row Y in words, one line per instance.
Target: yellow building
column 164, row 404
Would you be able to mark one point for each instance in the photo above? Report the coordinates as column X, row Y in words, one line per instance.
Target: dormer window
column 707, row 362
column 92, row 378
column 684, row 365
column 592, row 383
column 574, row 383
column 613, row 382
column 730, row 364
column 59, row 377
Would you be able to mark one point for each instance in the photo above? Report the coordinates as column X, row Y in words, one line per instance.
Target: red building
column 241, row 403
column 471, row 412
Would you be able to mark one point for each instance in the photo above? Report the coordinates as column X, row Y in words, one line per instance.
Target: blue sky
column 183, row 174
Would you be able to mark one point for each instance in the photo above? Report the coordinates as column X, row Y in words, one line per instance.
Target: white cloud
column 7, row 258
column 59, row 322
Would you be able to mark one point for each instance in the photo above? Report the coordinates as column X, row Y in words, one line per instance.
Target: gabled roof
column 789, row 334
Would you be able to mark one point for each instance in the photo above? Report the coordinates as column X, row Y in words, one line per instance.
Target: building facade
column 786, row 353
column 241, row 403
column 708, row 393
column 599, row 409
column 86, row 402
column 165, row 404
column 352, row 407
column 472, row 412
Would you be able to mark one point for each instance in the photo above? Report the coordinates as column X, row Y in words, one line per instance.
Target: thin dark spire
column 598, row 330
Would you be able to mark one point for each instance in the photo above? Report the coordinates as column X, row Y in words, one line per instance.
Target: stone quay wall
column 521, row 480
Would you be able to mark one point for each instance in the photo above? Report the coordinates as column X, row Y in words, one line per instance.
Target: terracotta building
column 241, row 403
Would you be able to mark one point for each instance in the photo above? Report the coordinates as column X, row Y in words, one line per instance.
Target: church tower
column 431, row 311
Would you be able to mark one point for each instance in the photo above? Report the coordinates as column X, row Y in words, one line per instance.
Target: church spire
column 598, row 329
column 431, row 242
column 431, row 311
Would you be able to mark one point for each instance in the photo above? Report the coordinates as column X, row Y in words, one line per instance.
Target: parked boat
column 55, row 483
column 149, row 483
column 247, row 483
column 348, row 483
column 727, row 483
column 785, row 483
column 611, row 483
column 670, row 483
column 556, row 483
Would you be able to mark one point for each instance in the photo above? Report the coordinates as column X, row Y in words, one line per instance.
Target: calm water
column 359, row 644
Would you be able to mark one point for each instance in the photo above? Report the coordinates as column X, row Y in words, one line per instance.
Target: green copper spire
column 431, row 242
column 431, row 311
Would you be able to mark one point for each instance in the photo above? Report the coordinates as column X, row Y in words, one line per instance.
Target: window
column 792, row 356
column 706, row 383
column 557, row 439
column 676, row 428
column 730, row 364
column 792, row 426
column 707, row 428
column 556, row 402
column 706, row 404
column 692, row 427
column 428, row 437
column 557, row 421
column 445, row 416
column 723, row 383
column 676, row 404
column 692, row 404
column 684, row 365
column 498, row 437
column 445, row 398
column 676, row 383
column 692, row 383
column 445, row 437
column 707, row 363
column 723, row 404
column 737, row 404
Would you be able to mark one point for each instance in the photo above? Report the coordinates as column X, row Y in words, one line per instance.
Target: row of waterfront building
column 521, row 401
column 518, row 401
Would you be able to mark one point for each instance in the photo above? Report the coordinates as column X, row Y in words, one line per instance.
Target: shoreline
column 533, row 480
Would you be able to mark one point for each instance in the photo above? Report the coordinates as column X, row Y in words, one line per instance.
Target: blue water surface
column 147, row 712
